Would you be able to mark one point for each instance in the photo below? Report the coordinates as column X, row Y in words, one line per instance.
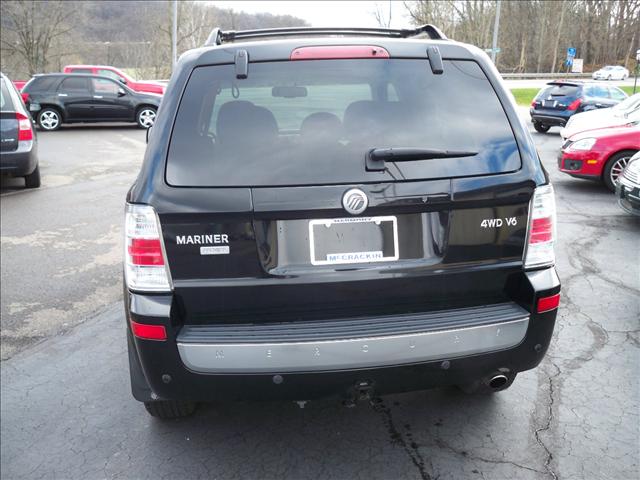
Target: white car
column 625, row 112
column 611, row 72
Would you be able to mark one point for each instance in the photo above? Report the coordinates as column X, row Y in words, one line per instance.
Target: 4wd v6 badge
column 498, row 222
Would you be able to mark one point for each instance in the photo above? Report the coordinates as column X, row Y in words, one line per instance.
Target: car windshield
column 608, row 68
column 313, row 122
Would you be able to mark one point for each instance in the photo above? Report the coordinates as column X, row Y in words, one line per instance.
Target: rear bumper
column 184, row 368
column 20, row 162
column 349, row 344
column 549, row 118
column 582, row 164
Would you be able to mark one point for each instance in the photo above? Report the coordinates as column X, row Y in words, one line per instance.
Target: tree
column 34, row 32
column 535, row 34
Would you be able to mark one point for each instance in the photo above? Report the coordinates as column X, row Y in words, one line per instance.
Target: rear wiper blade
column 376, row 158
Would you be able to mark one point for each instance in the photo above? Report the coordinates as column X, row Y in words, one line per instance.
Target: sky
column 327, row 14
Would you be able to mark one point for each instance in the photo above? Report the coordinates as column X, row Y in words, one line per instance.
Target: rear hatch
column 556, row 97
column 8, row 120
column 273, row 160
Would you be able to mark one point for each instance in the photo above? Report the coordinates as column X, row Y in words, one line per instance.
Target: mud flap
column 139, row 386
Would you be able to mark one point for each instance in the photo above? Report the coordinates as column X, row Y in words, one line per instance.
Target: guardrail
column 533, row 76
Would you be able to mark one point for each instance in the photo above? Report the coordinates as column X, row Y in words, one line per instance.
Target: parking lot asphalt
column 66, row 410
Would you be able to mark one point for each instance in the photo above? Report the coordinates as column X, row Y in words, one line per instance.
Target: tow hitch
column 362, row 391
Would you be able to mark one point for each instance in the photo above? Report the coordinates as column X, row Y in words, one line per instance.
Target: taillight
column 148, row 332
column 533, row 102
column 25, row 132
column 25, row 97
column 546, row 304
column 542, row 229
column 574, row 105
column 145, row 266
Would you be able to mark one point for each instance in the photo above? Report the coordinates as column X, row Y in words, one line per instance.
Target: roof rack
column 218, row 37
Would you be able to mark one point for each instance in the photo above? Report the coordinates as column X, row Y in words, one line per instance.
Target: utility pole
column 174, row 35
column 496, row 27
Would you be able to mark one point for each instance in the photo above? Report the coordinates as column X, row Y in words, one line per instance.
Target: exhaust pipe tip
column 498, row 382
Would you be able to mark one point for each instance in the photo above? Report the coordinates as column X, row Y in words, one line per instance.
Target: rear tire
column 49, row 119
column 168, row 409
column 614, row 167
column 540, row 127
column 33, row 179
column 146, row 116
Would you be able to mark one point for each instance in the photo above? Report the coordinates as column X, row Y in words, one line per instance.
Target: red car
column 117, row 74
column 600, row 154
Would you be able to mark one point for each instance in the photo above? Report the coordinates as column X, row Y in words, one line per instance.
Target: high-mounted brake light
column 145, row 265
column 542, row 229
column 333, row 52
column 25, row 131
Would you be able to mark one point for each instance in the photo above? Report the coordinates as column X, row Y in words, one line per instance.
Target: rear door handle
column 97, row 96
column 63, row 95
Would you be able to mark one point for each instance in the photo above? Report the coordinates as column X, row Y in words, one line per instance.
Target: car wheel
column 146, row 117
column 33, row 179
column 614, row 167
column 540, row 127
column 49, row 119
column 168, row 409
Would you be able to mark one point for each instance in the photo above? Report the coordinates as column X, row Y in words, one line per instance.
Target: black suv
column 324, row 214
column 58, row 98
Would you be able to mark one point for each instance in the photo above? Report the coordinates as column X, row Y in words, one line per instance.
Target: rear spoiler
column 218, row 37
column 562, row 82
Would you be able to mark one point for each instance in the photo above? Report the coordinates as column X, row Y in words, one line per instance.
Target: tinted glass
column 312, row 122
column 74, row 85
column 110, row 74
column 560, row 91
column 41, row 84
column 5, row 97
column 596, row 91
column 103, row 86
column 617, row 94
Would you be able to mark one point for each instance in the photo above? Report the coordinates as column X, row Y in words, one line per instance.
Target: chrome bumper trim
column 346, row 354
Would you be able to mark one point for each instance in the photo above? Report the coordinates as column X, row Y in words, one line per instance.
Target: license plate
column 34, row 107
column 340, row 241
column 550, row 103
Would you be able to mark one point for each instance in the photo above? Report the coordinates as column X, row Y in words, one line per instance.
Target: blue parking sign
column 571, row 52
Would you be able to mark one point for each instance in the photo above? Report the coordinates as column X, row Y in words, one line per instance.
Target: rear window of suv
column 41, row 84
column 312, row 123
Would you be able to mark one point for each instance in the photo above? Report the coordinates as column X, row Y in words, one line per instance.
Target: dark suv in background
column 559, row 100
column 58, row 98
column 18, row 141
column 324, row 215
